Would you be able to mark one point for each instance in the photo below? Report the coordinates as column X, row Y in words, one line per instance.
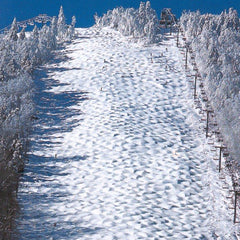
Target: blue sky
column 84, row 10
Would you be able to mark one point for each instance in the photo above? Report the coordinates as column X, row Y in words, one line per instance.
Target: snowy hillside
column 116, row 140
column 118, row 151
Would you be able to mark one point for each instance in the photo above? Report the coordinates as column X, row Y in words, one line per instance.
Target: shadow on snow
column 53, row 115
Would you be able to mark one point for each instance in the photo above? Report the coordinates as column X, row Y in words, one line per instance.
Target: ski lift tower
column 168, row 19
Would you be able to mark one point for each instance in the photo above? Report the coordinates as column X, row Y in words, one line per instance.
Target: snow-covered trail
column 117, row 152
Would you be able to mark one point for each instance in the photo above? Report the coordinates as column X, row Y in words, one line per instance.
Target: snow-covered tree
column 215, row 40
column 54, row 26
column 35, row 32
column 140, row 23
column 12, row 35
column 22, row 34
column 74, row 21
column 19, row 56
column 71, row 29
column 61, row 25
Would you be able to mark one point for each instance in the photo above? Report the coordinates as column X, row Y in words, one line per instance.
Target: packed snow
column 118, row 151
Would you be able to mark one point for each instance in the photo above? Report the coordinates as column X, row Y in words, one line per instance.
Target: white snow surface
column 119, row 151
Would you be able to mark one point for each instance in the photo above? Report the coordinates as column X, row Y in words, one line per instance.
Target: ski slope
column 118, row 151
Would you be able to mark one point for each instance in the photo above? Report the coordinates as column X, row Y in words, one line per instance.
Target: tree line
column 215, row 40
column 141, row 23
column 21, row 52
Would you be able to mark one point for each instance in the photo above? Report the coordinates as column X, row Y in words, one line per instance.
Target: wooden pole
column 207, row 128
column 235, row 207
column 178, row 37
column 207, row 124
column 186, row 57
column 220, row 157
column 195, row 86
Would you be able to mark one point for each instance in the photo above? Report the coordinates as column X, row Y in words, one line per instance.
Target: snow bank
column 215, row 40
column 140, row 23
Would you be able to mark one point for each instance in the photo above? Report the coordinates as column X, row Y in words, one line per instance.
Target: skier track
column 117, row 152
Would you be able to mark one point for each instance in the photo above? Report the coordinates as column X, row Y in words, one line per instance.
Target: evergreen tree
column 34, row 51
column 141, row 23
column 61, row 25
column 22, row 34
column 73, row 21
column 71, row 29
column 12, row 35
column 54, row 25
column 35, row 33
column 53, row 33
